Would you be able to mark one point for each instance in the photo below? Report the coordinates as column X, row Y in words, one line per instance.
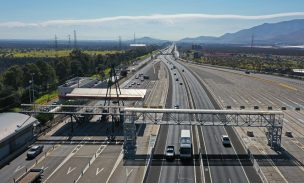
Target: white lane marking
column 120, row 157
column 128, row 172
column 238, row 157
column 215, row 138
column 44, row 168
column 19, row 168
column 193, row 152
column 94, row 157
column 98, row 171
column 207, row 156
column 70, row 170
column 67, row 158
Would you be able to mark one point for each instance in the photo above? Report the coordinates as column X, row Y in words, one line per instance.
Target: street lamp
column 32, row 74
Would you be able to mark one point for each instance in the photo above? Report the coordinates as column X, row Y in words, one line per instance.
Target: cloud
column 155, row 18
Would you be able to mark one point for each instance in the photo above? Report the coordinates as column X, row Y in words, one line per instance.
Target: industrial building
column 16, row 131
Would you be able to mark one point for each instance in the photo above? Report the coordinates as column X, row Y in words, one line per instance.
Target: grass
column 53, row 53
column 47, row 97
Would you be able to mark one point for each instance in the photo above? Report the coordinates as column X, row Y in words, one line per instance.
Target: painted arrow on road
column 70, row 170
column 128, row 172
column 19, row 168
column 98, row 171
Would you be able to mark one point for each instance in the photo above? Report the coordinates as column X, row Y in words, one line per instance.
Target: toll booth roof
column 11, row 122
column 98, row 93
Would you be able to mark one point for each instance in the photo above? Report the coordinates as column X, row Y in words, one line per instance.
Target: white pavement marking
column 238, row 158
column 44, row 168
column 128, row 172
column 94, row 157
column 19, row 168
column 98, row 171
column 67, row 158
column 115, row 166
column 70, row 170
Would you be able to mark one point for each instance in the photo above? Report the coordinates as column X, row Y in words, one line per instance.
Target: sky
column 163, row 19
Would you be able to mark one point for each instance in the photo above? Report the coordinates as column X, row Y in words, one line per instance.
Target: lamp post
column 32, row 74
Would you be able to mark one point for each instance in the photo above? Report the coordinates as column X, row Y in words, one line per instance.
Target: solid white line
column 238, row 158
column 193, row 154
column 66, row 159
column 206, row 156
column 116, row 165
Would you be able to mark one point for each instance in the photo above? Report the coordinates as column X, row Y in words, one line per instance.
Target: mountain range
column 281, row 33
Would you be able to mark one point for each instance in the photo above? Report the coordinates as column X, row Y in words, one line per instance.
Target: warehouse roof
column 97, row 93
column 12, row 122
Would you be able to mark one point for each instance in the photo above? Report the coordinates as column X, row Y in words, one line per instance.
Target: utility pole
column 75, row 40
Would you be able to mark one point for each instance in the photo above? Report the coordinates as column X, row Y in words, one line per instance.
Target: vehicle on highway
column 34, row 151
column 146, row 77
column 136, row 77
column 180, row 83
column 138, row 83
column 130, row 86
column 185, row 149
column 183, row 70
column 31, row 176
column 174, row 67
column 176, row 79
column 133, row 83
column 174, row 73
column 176, row 107
column 225, row 140
column 170, row 153
column 247, row 72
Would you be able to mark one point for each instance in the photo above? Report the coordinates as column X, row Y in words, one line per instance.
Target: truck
column 185, row 147
column 31, row 176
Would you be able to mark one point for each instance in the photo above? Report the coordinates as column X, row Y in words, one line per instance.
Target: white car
column 226, row 140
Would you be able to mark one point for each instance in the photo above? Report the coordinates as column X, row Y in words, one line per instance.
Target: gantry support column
column 129, row 136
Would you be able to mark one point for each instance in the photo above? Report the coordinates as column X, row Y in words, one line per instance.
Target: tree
column 13, row 77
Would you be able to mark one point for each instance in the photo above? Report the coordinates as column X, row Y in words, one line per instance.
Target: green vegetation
column 47, row 97
column 47, row 73
column 260, row 63
column 42, row 53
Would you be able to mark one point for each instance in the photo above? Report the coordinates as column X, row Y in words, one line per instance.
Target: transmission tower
column 56, row 42
column 75, row 40
column 134, row 39
column 119, row 42
column 69, row 43
column 252, row 41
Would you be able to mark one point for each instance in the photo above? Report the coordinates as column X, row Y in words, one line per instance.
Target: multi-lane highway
column 191, row 94
column 84, row 155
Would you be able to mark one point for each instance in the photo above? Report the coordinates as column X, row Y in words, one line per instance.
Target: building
column 16, row 131
column 80, row 82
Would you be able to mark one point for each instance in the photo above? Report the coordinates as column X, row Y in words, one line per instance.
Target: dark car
column 183, row 70
column 180, row 83
column 176, row 107
column 176, row 79
column 170, row 153
column 34, row 151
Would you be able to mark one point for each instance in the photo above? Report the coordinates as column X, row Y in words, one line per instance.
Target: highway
column 235, row 88
column 66, row 155
column 85, row 156
column 207, row 139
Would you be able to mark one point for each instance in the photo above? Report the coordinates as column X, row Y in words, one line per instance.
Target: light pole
column 32, row 74
column 29, row 88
